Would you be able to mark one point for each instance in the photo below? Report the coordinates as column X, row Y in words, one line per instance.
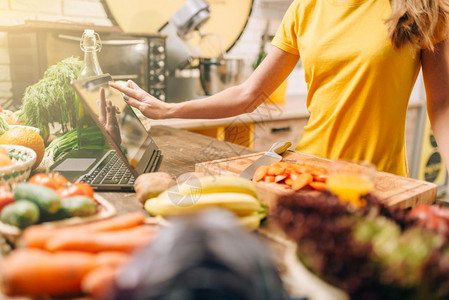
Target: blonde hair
column 416, row 22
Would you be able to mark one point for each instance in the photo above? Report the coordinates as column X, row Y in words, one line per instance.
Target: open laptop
column 134, row 151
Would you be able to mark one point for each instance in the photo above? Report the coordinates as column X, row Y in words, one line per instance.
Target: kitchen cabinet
column 267, row 133
column 239, row 134
column 258, row 136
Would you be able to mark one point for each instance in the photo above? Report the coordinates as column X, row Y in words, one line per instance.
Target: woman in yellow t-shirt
column 361, row 60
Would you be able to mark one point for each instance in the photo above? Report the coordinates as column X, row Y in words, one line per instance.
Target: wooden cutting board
column 392, row 190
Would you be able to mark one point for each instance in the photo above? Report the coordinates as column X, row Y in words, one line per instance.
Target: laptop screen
column 117, row 120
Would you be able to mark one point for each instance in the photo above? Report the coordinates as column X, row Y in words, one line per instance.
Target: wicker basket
column 23, row 160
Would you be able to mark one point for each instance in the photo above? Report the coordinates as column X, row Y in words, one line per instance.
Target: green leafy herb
column 52, row 99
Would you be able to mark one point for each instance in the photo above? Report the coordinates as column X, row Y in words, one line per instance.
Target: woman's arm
column 435, row 67
column 233, row 101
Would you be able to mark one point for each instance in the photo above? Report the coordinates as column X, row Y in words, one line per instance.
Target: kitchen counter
column 293, row 108
column 181, row 150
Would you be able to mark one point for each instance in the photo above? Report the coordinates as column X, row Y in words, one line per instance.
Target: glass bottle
column 89, row 135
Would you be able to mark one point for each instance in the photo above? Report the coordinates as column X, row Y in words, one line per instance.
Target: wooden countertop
column 181, row 150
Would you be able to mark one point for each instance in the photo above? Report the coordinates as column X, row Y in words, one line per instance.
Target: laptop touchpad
column 75, row 164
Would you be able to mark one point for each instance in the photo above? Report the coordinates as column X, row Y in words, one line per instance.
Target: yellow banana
column 251, row 222
column 214, row 184
column 169, row 204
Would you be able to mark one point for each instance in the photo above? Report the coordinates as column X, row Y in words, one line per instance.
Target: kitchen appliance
column 217, row 74
column 273, row 155
column 36, row 45
column 189, row 29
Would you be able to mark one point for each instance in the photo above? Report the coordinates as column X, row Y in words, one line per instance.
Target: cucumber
column 57, row 216
column 78, row 206
column 21, row 213
column 45, row 198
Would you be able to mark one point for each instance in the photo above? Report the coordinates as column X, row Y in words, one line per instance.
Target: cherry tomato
column 6, row 196
column 77, row 189
column 51, row 180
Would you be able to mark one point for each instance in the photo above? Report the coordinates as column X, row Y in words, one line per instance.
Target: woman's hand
column 135, row 96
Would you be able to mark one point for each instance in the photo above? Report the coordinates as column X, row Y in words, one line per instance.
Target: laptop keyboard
column 111, row 170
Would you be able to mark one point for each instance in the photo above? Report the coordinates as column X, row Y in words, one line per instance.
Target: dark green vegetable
column 51, row 217
column 52, row 99
column 78, row 206
column 45, row 198
column 21, row 213
column 69, row 141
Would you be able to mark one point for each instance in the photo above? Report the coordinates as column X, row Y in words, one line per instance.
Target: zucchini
column 21, row 213
column 45, row 198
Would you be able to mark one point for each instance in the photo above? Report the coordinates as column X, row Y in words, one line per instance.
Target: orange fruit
column 27, row 137
column 3, row 151
column 4, row 159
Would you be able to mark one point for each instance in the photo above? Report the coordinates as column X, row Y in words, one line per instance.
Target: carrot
column 320, row 177
column 301, row 181
column 279, row 178
column 36, row 236
column 318, row 186
column 127, row 240
column 37, row 273
column 260, row 173
column 269, row 178
column 294, row 175
column 275, row 169
column 289, row 181
column 98, row 282
column 112, row 259
column 301, row 169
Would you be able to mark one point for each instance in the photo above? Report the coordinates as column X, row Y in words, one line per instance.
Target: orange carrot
column 289, row 181
column 112, row 259
column 260, row 173
column 301, row 181
column 117, row 223
column 269, row 178
column 320, row 177
column 98, row 282
column 36, row 236
column 318, row 186
column 301, row 169
column 127, row 240
column 279, row 178
column 275, row 169
column 37, row 273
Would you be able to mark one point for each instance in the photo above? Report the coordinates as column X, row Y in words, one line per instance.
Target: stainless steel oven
column 35, row 46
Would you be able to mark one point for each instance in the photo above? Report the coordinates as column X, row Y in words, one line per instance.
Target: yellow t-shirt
column 358, row 84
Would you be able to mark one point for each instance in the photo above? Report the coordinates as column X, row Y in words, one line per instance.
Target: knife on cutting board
column 271, row 156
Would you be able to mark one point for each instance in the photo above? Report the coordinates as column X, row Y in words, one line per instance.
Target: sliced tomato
column 77, row 189
column 51, row 180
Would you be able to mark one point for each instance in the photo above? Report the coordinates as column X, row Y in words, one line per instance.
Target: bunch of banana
column 233, row 193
